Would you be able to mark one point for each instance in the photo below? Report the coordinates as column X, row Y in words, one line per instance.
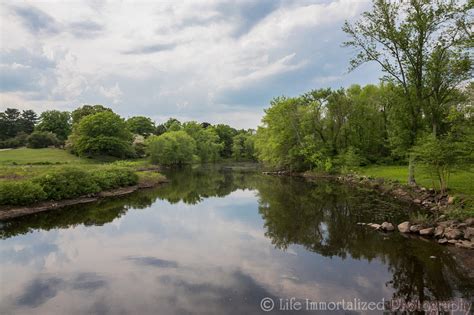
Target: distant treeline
column 95, row 130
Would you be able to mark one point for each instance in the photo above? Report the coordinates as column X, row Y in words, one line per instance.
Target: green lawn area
column 460, row 182
column 23, row 163
column 37, row 156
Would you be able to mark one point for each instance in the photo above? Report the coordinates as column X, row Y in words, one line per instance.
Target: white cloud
column 181, row 59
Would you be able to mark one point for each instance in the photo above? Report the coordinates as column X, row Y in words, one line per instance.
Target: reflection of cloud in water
column 153, row 261
column 210, row 258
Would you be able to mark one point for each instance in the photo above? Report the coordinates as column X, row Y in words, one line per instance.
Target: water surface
column 218, row 241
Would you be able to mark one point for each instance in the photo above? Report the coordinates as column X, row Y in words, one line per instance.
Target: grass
column 461, row 182
column 23, row 163
column 37, row 156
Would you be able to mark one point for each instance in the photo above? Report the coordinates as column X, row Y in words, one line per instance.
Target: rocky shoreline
column 445, row 232
column 13, row 212
column 450, row 232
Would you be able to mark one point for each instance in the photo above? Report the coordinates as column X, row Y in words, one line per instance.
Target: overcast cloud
column 211, row 60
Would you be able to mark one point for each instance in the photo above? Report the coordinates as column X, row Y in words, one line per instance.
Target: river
column 217, row 240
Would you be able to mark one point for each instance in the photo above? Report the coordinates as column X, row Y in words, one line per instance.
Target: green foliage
column 104, row 133
column 56, row 122
column 226, row 135
column 18, row 141
column 20, row 193
column 41, row 139
column 140, row 125
column 207, row 141
column 243, row 147
column 443, row 155
column 87, row 110
column 13, row 123
column 67, row 183
column 114, row 177
column 172, row 148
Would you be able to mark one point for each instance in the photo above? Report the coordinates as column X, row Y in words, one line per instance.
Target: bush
column 41, row 139
column 172, row 148
column 67, row 183
column 114, row 177
column 101, row 134
column 20, row 193
column 18, row 141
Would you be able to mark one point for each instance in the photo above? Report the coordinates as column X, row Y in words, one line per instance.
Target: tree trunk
column 411, row 170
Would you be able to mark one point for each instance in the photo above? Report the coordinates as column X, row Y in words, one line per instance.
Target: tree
column 406, row 39
column 41, row 139
column 103, row 133
column 208, row 144
column 9, row 126
column 56, row 122
column 141, row 125
column 172, row 148
column 225, row 134
column 243, row 147
column 28, row 121
column 442, row 155
column 87, row 110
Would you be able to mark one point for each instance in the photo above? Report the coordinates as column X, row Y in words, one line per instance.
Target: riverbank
column 9, row 212
column 441, row 222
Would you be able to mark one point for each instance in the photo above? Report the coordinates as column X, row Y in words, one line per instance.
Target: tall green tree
column 9, row 123
column 87, row 110
column 103, row 133
column 28, row 121
column 56, row 122
column 405, row 39
column 141, row 125
column 172, row 148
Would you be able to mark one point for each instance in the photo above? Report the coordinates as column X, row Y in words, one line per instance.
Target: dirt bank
column 9, row 212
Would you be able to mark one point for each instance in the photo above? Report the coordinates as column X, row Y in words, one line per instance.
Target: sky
column 210, row 60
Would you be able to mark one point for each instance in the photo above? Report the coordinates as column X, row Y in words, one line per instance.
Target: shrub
column 101, row 134
column 41, row 139
column 114, row 177
column 172, row 148
column 20, row 193
column 67, row 183
column 18, row 141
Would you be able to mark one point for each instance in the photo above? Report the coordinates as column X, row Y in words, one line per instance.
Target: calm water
column 217, row 241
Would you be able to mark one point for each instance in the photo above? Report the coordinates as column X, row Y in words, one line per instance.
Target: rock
column 453, row 241
column 427, row 232
column 387, row 226
column 375, row 226
column 461, row 225
column 446, row 223
column 442, row 241
column 469, row 233
column 415, row 228
column 439, row 231
column 432, row 257
column 417, row 201
column 404, row 227
column 469, row 221
column 450, row 200
column 465, row 244
column 452, row 233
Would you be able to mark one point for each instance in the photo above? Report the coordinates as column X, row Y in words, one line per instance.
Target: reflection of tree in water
column 97, row 213
column 191, row 186
column 188, row 185
column 323, row 217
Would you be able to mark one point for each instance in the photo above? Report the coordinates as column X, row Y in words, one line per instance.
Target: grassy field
column 25, row 156
column 26, row 163
column 461, row 182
